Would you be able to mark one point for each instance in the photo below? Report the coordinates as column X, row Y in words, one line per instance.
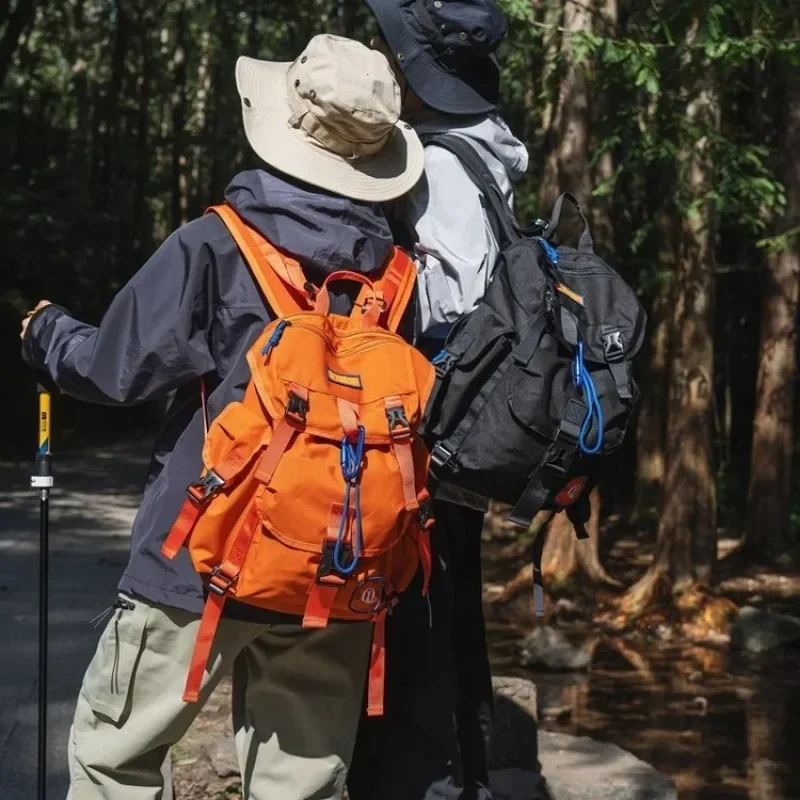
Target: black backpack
column 534, row 388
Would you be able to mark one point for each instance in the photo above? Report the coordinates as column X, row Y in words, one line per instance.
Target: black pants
column 431, row 742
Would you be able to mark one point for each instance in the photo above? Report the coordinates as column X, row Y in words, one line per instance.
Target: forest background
column 678, row 125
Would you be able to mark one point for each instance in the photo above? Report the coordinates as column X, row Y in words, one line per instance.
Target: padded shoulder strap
column 395, row 286
column 504, row 225
column 276, row 275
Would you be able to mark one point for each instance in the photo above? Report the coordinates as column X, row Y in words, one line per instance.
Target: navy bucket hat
column 445, row 49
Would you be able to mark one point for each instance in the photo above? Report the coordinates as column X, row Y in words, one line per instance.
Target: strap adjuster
column 296, row 409
column 440, row 455
column 425, row 512
column 200, row 491
column 219, row 582
column 399, row 427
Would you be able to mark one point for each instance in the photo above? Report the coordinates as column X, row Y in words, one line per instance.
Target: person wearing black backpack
column 432, row 742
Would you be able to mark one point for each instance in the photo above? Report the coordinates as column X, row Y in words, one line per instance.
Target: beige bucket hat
column 332, row 119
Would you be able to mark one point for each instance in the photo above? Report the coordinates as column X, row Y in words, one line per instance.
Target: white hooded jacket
column 455, row 248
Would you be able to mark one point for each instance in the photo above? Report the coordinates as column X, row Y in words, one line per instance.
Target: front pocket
column 539, row 392
column 108, row 680
column 234, row 437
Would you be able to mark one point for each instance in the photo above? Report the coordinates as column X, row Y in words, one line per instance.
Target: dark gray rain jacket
column 194, row 310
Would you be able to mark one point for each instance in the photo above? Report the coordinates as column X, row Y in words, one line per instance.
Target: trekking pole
column 42, row 479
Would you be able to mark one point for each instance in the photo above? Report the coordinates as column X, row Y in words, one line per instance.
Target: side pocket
column 108, row 680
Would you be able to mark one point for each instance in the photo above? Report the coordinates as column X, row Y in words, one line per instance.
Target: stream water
column 723, row 729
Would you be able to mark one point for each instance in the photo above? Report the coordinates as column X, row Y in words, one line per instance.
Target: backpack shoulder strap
column 396, row 287
column 504, row 225
column 277, row 275
column 397, row 284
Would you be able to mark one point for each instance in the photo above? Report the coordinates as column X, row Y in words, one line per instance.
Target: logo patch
column 368, row 596
column 571, row 492
column 343, row 379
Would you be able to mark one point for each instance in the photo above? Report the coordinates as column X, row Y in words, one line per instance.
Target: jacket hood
column 323, row 231
column 489, row 132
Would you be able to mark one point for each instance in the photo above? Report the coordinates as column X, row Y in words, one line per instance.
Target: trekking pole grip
column 42, row 477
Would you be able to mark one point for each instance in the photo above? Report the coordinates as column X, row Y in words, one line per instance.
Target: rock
column 579, row 768
column 758, row 631
column 222, row 755
column 516, row 784
column 550, row 649
column 514, row 732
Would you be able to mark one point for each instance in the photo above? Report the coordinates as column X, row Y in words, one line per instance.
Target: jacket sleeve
column 455, row 247
column 153, row 338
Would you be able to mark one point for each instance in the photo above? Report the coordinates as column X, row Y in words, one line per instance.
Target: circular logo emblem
column 368, row 596
column 571, row 492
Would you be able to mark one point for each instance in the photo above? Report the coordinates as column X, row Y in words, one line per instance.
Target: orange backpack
column 313, row 499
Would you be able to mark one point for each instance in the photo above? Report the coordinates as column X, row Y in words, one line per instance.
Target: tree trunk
column 112, row 112
column 652, row 422
column 564, row 555
column 606, row 21
column 178, row 179
column 551, row 115
column 16, row 24
column 768, row 503
column 686, row 547
column 573, row 146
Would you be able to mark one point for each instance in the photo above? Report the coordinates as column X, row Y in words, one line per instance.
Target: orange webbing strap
column 396, row 285
column 425, row 557
column 319, row 605
column 324, row 588
column 348, row 416
column 219, row 584
column 401, row 444
column 290, row 424
column 184, row 524
column 377, row 668
column 281, row 438
column 195, row 503
column 270, row 269
column 212, row 612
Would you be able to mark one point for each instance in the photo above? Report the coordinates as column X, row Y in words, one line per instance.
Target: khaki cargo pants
column 297, row 697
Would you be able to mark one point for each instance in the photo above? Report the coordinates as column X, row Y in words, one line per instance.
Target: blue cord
column 583, row 380
column 350, row 458
column 550, row 252
column 275, row 339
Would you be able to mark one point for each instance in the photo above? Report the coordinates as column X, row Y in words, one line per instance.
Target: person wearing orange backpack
column 439, row 693
column 243, row 303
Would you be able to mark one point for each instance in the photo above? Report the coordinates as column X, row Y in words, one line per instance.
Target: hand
column 25, row 322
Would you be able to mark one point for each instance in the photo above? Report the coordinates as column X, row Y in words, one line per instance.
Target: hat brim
column 448, row 92
column 385, row 175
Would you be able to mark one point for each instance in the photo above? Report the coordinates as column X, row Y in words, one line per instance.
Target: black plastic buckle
column 558, row 460
column 397, row 418
column 200, row 491
column 425, row 513
column 297, row 408
column 219, row 577
column 326, row 571
column 613, row 349
column 444, row 366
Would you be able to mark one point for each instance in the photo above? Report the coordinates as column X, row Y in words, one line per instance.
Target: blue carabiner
column 351, row 456
column 594, row 411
